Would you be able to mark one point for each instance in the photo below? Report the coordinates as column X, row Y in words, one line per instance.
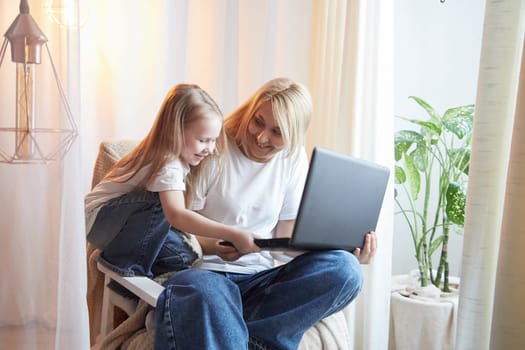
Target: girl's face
column 200, row 137
column 264, row 134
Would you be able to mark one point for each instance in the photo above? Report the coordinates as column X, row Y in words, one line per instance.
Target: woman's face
column 264, row 134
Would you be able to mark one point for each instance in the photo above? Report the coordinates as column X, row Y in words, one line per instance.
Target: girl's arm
column 208, row 245
column 189, row 221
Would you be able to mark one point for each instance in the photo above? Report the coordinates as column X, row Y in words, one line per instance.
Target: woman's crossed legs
column 271, row 309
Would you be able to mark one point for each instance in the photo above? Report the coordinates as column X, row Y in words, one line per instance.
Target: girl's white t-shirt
column 253, row 196
column 169, row 178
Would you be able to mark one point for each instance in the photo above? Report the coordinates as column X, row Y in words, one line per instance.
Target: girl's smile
column 200, row 137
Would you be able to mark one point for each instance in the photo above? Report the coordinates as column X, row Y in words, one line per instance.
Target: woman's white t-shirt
column 169, row 178
column 253, row 196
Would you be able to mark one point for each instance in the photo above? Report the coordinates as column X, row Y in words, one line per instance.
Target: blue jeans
column 136, row 238
column 271, row 309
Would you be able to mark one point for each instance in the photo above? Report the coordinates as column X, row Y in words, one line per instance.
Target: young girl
column 130, row 213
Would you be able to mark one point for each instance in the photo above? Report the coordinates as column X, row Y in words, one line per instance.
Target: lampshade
column 33, row 139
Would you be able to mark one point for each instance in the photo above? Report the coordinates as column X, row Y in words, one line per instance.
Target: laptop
column 341, row 202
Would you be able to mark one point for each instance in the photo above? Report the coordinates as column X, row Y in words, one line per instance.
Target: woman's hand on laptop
column 365, row 254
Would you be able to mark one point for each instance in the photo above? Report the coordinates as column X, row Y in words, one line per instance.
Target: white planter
column 421, row 318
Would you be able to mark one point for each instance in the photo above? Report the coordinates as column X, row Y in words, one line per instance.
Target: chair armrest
column 143, row 287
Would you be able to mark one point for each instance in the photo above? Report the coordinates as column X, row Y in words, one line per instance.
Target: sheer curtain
column 133, row 52
column 230, row 48
column 120, row 64
column 352, row 86
column 340, row 49
column 491, row 308
column 42, row 259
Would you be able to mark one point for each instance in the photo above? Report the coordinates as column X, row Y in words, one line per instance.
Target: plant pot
column 422, row 318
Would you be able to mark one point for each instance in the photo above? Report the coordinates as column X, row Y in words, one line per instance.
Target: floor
column 40, row 338
column 26, row 338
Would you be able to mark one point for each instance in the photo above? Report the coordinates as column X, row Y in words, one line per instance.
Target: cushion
column 109, row 153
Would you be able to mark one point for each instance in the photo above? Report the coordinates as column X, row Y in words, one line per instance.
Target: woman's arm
column 189, row 221
column 284, row 228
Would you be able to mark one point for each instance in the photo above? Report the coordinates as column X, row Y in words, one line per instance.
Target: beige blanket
column 95, row 291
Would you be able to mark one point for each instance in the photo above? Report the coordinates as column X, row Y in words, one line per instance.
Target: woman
column 239, row 301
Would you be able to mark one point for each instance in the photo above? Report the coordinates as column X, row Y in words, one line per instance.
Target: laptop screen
column 341, row 201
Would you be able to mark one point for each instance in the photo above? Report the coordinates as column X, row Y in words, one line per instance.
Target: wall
column 436, row 57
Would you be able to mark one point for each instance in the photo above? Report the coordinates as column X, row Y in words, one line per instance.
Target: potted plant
column 432, row 165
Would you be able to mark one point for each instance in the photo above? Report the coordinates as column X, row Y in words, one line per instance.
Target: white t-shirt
column 253, row 196
column 170, row 177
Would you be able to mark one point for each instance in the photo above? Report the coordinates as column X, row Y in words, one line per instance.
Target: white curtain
column 42, row 255
column 491, row 307
column 340, row 49
column 133, row 52
column 351, row 82
column 119, row 68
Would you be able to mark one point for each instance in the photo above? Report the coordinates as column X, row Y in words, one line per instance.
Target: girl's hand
column 242, row 244
column 227, row 252
column 365, row 254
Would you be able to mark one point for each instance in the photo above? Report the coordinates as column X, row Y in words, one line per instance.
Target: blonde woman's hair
column 183, row 105
column 292, row 108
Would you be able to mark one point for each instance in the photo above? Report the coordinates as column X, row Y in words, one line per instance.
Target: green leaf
column 456, row 201
column 400, row 149
column 420, row 157
column 458, row 120
column 426, row 126
column 427, row 107
column 403, row 140
column 410, row 136
column 400, row 175
column 413, row 176
column 435, row 244
column 460, row 159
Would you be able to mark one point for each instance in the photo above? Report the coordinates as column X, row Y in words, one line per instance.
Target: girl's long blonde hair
column 292, row 108
column 183, row 105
